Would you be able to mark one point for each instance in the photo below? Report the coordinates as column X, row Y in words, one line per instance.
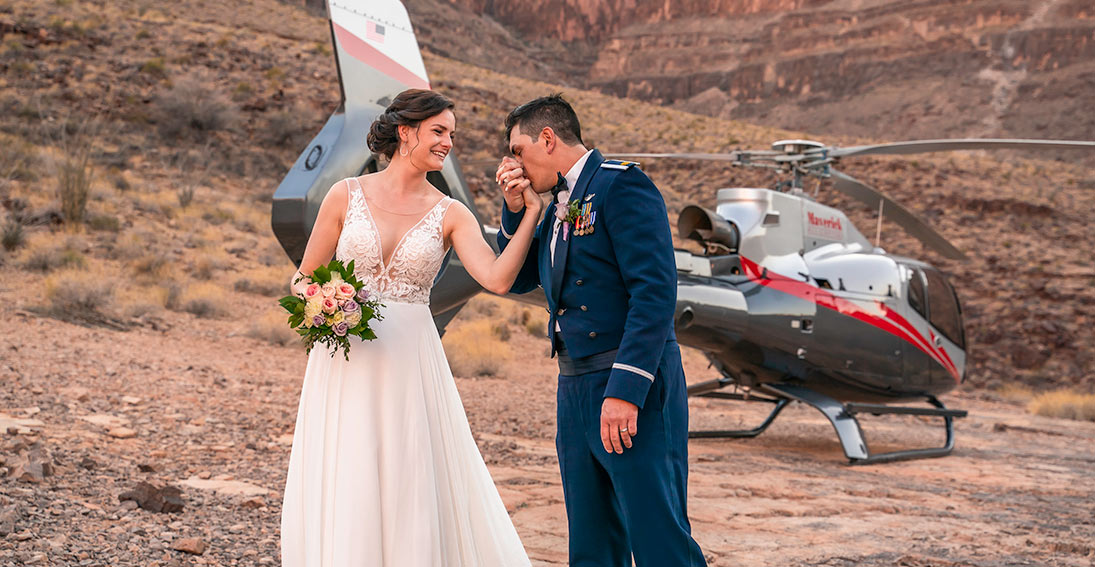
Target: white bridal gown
column 384, row 470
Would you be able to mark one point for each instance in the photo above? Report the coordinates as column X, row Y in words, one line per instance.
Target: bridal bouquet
column 334, row 307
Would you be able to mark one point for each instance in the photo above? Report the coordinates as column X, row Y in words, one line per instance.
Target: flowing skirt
column 384, row 471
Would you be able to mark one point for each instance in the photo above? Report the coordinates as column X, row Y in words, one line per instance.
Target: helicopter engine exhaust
column 718, row 235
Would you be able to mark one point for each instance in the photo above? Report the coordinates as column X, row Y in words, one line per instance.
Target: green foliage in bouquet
column 334, row 307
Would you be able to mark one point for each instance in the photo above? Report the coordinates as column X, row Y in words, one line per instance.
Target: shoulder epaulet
column 618, row 164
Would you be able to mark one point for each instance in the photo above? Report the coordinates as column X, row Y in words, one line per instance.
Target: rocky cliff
column 883, row 68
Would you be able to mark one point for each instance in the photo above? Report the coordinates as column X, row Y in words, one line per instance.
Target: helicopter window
column 916, row 292
column 946, row 314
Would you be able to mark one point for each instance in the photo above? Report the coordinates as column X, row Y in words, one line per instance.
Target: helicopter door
column 918, row 364
column 945, row 316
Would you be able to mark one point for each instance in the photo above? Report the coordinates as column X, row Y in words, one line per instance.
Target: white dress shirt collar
column 575, row 172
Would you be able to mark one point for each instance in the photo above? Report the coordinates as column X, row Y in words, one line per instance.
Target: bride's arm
column 324, row 237
column 496, row 274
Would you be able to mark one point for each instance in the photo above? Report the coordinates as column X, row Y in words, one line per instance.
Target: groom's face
column 534, row 159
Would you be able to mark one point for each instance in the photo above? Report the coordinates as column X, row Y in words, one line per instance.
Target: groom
column 604, row 257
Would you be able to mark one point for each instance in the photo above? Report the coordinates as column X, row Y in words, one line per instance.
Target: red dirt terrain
column 201, row 404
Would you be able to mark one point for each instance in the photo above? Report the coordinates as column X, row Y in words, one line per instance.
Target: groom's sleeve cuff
column 629, row 383
column 510, row 221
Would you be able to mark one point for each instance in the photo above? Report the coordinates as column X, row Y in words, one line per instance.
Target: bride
column 384, row 470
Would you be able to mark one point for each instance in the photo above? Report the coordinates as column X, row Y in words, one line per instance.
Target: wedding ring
column 623, row 430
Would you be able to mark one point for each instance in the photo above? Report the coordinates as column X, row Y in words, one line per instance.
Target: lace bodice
column 409, row 275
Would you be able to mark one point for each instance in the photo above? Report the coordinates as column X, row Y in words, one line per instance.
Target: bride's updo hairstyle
column 409, row 108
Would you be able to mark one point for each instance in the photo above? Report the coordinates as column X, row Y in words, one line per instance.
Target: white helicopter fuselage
column 815, row 296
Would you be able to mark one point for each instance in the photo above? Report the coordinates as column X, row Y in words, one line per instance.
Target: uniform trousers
column 633, row 504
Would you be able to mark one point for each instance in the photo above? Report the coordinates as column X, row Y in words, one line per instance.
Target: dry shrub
column 152, row 267
column 169, row 293
column 272, row 254
column 19, row 160
column 474, row 349
column 482, row 305
column 209, row 263
column 205, row 300
column 46, row 256
column 268, row 281
column 132, row 244
column 1065, row 404
column 218, row 216
column 193, row 107
column 104, row 223
column 141, row 301
column 74, row 182
column 80, row 295
column 535, row 322
column 291, row 128
column 1015, row 393
column 273, row 328
column 13, row 235
column 189, row 169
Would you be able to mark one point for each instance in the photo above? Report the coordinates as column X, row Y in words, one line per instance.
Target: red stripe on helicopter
column 888, row 320
column 372, row 57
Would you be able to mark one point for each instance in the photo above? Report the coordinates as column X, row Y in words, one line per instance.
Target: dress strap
column 443, row 206
column 355, row 201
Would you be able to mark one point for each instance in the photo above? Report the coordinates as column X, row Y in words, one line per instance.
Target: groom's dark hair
column 550, row 111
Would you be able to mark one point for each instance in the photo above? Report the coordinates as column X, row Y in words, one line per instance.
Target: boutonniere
column 568, row 213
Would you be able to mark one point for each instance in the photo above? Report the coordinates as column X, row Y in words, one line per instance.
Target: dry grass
column 13, row 235
column 1015, row 393
column 133, row 244
column 74, row 184
column 475, row 349
column 1065, row 404
column 76, row 295
column 193, row 108
column 151, row 267
column 205, row 300
column 272, row 281
column 45, row 254
column 141, row 301
column 273, row 328
column 18, row 161
column 104, row 223
column 210, row 261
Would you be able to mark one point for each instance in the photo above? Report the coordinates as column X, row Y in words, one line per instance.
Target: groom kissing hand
column 604, row 257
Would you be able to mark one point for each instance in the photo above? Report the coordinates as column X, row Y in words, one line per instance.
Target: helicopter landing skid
column 709, row 390
column 842, row 416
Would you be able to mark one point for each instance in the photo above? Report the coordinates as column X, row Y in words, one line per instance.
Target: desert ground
column 148, row 385
column 210, row 411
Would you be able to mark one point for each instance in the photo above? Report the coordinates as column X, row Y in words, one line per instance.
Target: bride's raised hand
column 533, row 202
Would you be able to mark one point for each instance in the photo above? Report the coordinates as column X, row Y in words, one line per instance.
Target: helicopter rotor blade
column 892, row 210
column 727, row 156
column 925, row 146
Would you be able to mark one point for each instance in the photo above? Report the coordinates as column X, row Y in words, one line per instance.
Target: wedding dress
column 384, row 471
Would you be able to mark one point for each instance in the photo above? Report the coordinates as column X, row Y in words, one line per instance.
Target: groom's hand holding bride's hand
column 619, row 423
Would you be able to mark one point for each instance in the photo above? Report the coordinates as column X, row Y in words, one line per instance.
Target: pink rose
column 330, row 305
column 328, row 289
column 344, row 291
column 311, row 291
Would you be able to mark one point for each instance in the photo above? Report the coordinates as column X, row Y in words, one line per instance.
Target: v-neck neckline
column 386, row 264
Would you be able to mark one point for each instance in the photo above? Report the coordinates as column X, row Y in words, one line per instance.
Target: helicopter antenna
column 878, row 231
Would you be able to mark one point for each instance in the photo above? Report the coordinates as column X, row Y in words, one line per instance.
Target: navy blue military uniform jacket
column 614, row 282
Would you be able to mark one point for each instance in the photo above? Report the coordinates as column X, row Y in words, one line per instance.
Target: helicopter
column 788, row 300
